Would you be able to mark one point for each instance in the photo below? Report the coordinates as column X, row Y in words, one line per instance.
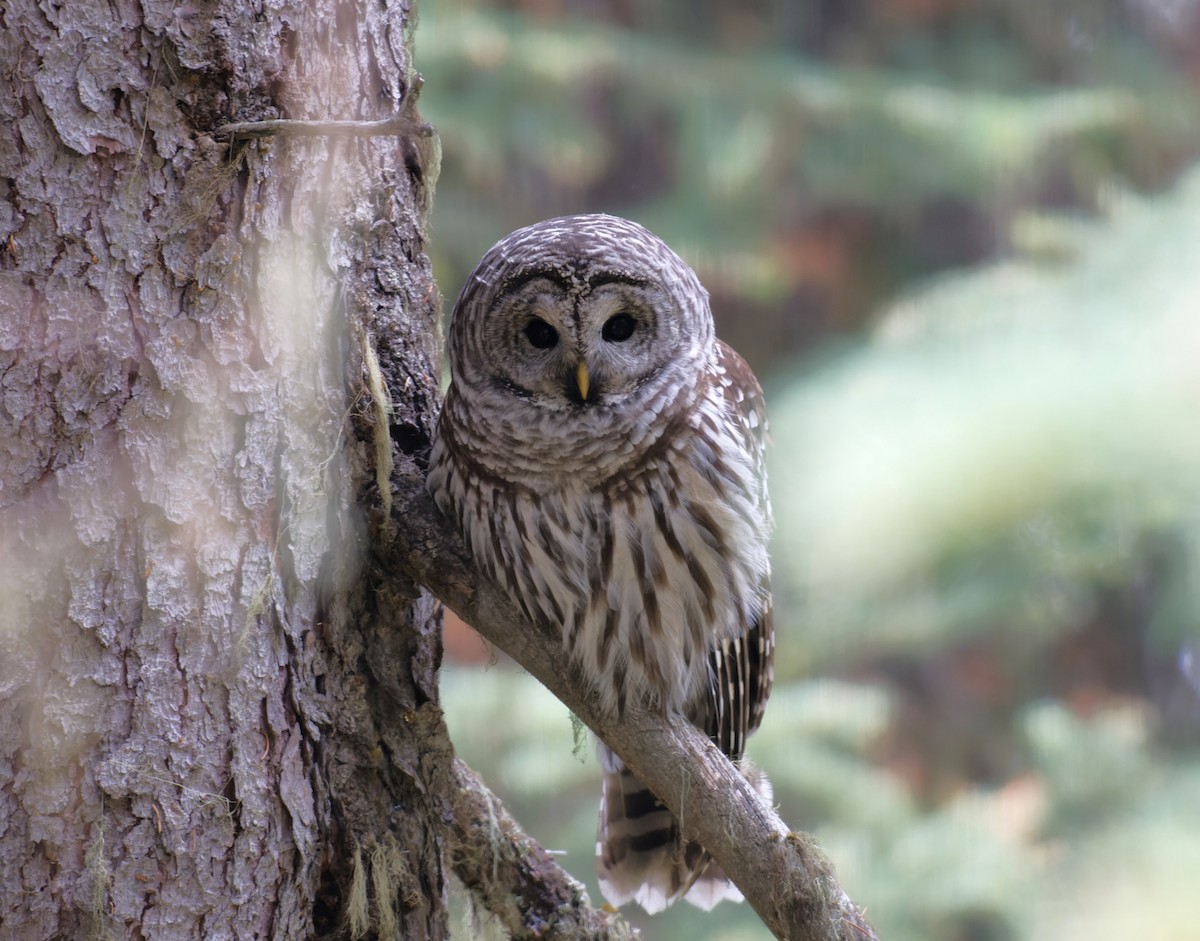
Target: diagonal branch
column 783, row 875
column 518, row 881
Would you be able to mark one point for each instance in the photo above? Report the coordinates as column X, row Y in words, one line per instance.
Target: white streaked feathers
column 715, row 532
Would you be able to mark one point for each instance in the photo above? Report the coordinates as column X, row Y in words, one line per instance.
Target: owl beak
column 582, row 379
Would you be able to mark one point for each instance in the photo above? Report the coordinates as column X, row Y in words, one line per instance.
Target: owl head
column 577, row 316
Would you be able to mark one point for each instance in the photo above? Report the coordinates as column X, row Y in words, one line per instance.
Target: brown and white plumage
column 603, row 453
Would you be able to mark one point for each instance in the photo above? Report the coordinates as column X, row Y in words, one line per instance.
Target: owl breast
column 643, row 572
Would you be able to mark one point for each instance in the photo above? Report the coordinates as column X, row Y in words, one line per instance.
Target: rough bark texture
column 219, row 723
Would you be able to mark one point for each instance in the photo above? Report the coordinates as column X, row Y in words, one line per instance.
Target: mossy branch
column 515, row 878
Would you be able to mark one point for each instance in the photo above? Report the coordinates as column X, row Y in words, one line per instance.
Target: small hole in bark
column 409, row 438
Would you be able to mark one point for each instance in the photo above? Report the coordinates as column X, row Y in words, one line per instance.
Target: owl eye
column 618, row 328
column 541, row 334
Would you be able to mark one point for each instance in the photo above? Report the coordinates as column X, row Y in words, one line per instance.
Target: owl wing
column 741, row 667
column 747, row 409
column 740, row 674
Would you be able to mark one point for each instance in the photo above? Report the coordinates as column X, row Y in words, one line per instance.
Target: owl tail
column 640, row 854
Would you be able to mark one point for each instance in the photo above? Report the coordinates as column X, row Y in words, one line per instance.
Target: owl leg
column 640, row 854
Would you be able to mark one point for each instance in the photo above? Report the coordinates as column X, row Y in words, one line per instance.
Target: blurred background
column 959, row 243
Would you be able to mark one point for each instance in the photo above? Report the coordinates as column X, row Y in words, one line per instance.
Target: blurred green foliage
column 1005, row 444
column 980, row 350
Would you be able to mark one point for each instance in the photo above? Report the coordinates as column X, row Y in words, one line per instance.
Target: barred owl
column 603, row 454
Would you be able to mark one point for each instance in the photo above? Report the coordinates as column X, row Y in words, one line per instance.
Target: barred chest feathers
column 644, row 573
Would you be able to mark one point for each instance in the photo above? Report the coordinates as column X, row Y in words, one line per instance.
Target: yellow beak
column 581, row 379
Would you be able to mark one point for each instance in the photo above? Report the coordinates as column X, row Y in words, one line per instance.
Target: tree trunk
column 219, row 722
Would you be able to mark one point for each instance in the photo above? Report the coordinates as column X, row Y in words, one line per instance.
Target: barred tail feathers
column 640, row 854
